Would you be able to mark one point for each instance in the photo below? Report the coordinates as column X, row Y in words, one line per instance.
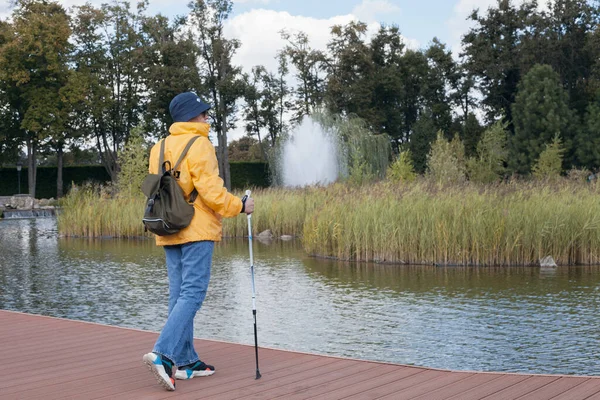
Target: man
column 189, row 251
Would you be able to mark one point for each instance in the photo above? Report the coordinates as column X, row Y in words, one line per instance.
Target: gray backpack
column 167, row 212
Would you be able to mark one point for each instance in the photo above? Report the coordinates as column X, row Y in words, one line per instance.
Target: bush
column 578, row 175
column 249, row 174
column 402, row 170
column 488, row 167
column 46, row 179
column 549, row 165
column 133, row 164
column 446, row 161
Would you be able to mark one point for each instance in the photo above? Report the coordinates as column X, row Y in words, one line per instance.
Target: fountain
column 33, row 213
column 25, row 206
column 309, row 156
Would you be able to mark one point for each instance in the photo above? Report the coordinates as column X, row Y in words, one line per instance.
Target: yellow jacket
column 199, row 169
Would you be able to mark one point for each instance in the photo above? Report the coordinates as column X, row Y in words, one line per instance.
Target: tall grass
column 505, row 224
column 283, row 211
column 466, row 225
column 90, row 211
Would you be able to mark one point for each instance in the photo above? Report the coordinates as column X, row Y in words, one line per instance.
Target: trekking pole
column 253, row 289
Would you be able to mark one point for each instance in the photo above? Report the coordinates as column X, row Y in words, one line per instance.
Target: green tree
column 493, row 53
column 273, row 102
column 446, row 161
column 395, row 99
column 470, row 133
column 540, row 112
column 421, row 137
column 283, row 92
column 11, row 134
column 350, row 70
column 71, row 96
column 402, row 169
column 133, row 164
column 222, row 81
column 588, row 141
column 488, row 167
column 109, row 56
column 91, row 61
column 264, row 95
column 571, row 49
column 308, row 95
column 170, row 68
column 461, row 97
column 549, row 164
column 123, row 76
column 246, row 149
column 33, row 67
column 442, row 75
column 254, row 93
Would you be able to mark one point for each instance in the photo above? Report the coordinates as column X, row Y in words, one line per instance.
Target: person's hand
column 249, row 207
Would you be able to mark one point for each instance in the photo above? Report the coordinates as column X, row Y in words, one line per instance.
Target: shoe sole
column 183, row 375
column 161, row 376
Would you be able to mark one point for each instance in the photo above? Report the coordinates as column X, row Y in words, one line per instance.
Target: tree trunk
column 262, row 149
column 31, row 166
column 59, row 172
column 224, row 154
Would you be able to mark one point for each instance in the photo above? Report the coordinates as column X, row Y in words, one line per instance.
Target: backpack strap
column 189, row 144
column 184, row 152
column 161, row 158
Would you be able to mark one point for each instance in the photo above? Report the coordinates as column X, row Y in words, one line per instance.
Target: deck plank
column 66, row 359
column 464, row 385
column 555, row 388
column 523, row 388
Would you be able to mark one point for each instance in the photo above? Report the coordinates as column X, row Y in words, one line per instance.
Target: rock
column 21, row 202
column 286, row 237
column 547, row 262
column 265, row 234
column 265, row 237
column 265, row 240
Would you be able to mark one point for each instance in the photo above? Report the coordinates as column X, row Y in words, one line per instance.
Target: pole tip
column 258, row 375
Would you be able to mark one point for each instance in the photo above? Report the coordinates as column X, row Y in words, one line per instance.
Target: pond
column 486, row 319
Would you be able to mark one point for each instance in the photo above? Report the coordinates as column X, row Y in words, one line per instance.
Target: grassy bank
column 92, row 212
column 509, row 224
column 467, row 225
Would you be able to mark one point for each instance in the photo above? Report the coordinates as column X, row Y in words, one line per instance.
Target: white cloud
column 5, row 11
column 369, row 10
column 263, row 2
column 459, row 25
column 258, row 30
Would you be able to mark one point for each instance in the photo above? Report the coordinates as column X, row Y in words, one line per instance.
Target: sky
column 257, row 23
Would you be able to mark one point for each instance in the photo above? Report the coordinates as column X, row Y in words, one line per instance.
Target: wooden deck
column 51, row 358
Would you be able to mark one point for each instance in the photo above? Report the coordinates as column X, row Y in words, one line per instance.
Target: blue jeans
column 188, row 267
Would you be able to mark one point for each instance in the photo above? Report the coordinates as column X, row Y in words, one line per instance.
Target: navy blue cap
column 186, row 106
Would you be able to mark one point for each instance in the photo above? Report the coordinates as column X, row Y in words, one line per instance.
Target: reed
column 91, row 211
column 503, row 224
column 465, row 225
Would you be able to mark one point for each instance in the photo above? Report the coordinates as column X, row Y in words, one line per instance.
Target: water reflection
column 495, row 319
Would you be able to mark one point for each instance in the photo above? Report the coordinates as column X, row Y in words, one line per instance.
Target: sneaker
column 196, row 369
column 162, row 368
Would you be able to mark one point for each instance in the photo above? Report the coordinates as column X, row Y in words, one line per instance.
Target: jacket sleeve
column 204, row 171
